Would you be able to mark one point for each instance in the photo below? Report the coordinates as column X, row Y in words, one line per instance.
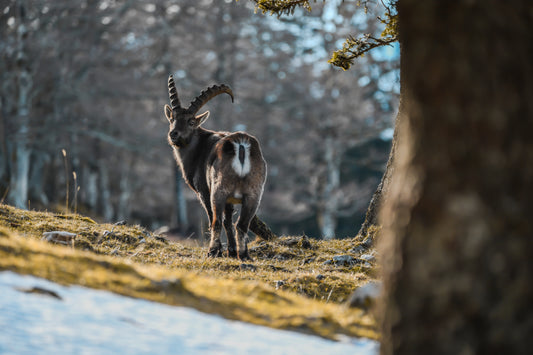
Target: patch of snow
column 87, row 321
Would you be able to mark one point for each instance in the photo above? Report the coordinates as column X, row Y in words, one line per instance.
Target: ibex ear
column 200, row 119
column 168, row 113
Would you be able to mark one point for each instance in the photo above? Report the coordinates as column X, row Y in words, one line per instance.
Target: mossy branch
column 354, row 48
column 281, row 7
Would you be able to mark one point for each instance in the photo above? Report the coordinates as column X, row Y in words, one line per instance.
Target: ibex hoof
column 214, row 253
column 232, row 253
column 245, row 256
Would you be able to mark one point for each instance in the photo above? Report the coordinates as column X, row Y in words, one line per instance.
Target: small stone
column 276, row 268
column 366, row 295
column 307, row 260
column 169, row 284
column 120, row 223
column 367, row 243
column 344, row 260
column 279, row 283
column 289, row 242
column 247, row 267
column 357, row 250
column 368, row 257
column 60, row 237
column 320, row 277
column 327, row 262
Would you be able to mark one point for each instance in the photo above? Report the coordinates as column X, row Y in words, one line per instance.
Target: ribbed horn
column 173, row 93
column 207, row 95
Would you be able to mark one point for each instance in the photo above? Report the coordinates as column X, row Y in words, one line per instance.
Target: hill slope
column 293, row 283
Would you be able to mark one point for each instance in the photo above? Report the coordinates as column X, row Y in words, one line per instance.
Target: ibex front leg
column 248, row 210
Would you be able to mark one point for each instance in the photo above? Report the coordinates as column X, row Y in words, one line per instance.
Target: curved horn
column 207, row 95
column 173, row 93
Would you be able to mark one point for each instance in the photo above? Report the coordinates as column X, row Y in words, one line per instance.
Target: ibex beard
column 224, row 169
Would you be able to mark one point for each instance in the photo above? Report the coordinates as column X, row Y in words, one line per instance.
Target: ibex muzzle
column 223, row 168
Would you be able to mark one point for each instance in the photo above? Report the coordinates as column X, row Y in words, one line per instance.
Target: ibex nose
column 173, row 135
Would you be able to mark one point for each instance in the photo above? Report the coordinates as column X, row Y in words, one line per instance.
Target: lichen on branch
column 354, row 48
column 281, row 7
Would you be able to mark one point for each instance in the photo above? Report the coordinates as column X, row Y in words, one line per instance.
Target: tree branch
column 354, row 48
column 281, row 7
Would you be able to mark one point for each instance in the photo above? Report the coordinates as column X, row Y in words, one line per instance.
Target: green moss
column 288, row 286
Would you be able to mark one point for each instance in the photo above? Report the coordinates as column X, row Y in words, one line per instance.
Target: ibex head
column 184, row 121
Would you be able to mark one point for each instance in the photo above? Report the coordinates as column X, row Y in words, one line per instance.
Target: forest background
column 83, row 83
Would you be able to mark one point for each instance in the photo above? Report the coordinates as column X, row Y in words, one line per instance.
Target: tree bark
column 457, row 228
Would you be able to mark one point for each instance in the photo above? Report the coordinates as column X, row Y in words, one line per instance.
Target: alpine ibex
column 223, row 168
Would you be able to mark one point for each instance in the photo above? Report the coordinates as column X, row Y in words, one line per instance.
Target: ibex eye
column 191, row 123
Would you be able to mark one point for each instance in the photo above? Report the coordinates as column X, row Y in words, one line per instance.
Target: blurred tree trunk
column 90, row 190
column 106, row 204
column 21, row 151
column 37, row 176
column 457, row 238
column 4, row 157
column 180, row 218
column 126, row 191
column 371, row 226
column 329, row 204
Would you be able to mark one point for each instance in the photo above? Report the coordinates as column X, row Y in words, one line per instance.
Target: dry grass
column 291, row 284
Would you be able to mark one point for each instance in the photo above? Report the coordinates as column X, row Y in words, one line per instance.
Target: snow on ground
column 86, row 321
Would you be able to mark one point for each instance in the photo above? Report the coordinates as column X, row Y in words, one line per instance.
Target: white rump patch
column 241, row 168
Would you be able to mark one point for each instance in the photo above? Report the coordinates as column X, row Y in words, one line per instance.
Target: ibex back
column 223, row 169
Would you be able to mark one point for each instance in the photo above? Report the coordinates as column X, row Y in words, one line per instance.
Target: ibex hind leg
column 228, row 227
column 249, row 207
column 215, row 246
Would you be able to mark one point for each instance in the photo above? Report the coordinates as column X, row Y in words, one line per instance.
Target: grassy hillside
column 293, row 283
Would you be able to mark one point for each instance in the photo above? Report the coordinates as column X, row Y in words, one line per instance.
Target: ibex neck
column 192, row 159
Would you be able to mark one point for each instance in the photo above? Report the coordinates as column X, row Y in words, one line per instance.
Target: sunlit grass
column 289, row 285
